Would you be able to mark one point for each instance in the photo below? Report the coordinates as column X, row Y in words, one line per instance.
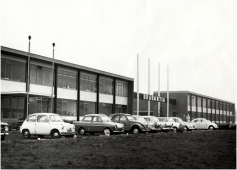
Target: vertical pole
column 137, row 85
column 28, row 80
column 167, row 91
column 158, row 88
column 148, row 86
column 52, row 80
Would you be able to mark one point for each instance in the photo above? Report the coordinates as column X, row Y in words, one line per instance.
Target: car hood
column 143, row 123
column 188, row 124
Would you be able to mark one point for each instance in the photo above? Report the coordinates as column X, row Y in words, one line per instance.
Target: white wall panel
column 104, row 98
column 199, row 109
column 121, row 100
column 12, row 86
column 188, row 108
column 67, row 94
column 87, row 96
column 39, row 89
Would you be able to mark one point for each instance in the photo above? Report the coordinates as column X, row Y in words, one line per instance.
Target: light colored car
column 176, row 125
column 42, row 124
column 97, row 123
column 153, row 119
column 202, row 123
column 165, row 124
column 187, row 126
column 4, row 130
column 152, row 125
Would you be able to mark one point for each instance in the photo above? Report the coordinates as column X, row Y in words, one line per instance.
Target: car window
column 147, row 119
column 87, row 118
column 42, row 118
column 115, row 118
column 176, row 120
column 195, row 121
column 123, row 118
column 203, row 121
column 31, row 118
column 55, row 118
column 96, row 119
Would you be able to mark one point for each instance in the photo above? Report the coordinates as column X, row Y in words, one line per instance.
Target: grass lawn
column 189, row 150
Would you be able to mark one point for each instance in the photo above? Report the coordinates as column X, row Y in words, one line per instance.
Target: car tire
column 135, row 130
column 107, row 131
column 55, row 134
column 175, row 129
column 26, row 133
column 82, row 131
column 41, row 136
column 3, row 137
column 210, row 128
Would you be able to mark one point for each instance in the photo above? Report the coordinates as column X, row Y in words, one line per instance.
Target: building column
column 97, row 93
column 114, row 95
column 130, row 97
column 54, row 109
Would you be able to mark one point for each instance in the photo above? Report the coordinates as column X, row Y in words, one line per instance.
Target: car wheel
column 3, row 137
column 211, row 128
column 55, row 134
column 175, row 129
column 107, row 131
column 135, row 130
column 40, row 136
column 26, row 134
column 82, row 131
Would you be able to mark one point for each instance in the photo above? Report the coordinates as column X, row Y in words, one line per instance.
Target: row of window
column 15, row 70
column 208, row 103
column 14, row 107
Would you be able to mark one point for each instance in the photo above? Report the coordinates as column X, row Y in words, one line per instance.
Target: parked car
column 97, row 123
column 42, row 124
column 202, row 123
column 4, row 130
column 175, row 125
column 153, row 126
column 187, row 125
column 130, row 124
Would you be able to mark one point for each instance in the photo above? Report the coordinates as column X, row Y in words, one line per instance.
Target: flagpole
column 167, row 91
column 28, row 80
column 159, row 88
column 137, row 85
column 52, row 94
column 148, row 86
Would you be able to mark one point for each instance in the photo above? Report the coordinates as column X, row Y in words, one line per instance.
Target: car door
column 30, row 123
column 203, row 124
column 86, row 123
column 197, row 124
column 96, row 124
column 123, row 119
column 43, row 126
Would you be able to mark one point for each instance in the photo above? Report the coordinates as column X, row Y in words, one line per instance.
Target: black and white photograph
column 118, row 84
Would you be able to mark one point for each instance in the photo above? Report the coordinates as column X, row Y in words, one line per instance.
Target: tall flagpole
column 158, row 88
column 52, row 94
column 148, row 86
column 137, row 85
column 167, row 91
column 28, row 80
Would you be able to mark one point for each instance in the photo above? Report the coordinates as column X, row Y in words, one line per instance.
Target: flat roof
column 197, row 94
column 63, row 63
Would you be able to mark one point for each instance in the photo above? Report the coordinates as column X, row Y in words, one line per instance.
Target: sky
column 196, row 38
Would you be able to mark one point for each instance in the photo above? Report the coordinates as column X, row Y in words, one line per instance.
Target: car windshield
column 55, row 118
column 130, row 117
column 154, row 119
column 180, row 120
column 105, row 118
column 140, row 119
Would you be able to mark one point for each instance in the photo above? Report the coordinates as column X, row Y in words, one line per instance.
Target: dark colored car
column 130, row 124
column 4, row 130
column 97, row 123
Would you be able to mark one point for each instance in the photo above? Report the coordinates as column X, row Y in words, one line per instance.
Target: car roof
column 100, row 114
column 148, row 116
column 43, row 114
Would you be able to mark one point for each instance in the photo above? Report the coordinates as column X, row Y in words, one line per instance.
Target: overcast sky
column 196, row 39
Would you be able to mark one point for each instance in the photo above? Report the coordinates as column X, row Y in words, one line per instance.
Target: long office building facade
column 67, row 89
column 196, row 105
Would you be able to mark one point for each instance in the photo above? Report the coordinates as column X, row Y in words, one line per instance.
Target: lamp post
column 52, row 79
column 28, row 80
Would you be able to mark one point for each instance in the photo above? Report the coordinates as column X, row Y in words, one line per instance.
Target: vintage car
column 187, row 125
column 202, row 123
column 97, row 123
column 4, row 130
column 42, row 124
column 162, row 126
column 175, row 125
column 152, row 125
column 130, row 124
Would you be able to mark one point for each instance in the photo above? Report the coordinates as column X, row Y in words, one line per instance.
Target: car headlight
column 6, row 128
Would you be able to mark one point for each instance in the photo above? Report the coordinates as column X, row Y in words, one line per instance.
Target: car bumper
column 4, row 133
column 166, row 128
column 68, row 133
column 145, row 130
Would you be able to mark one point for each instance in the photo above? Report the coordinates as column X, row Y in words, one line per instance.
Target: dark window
column 67, row 79
column 121, row 89
column 13, row 70
column 87, row 108
column 121, row 108
column 66, row 107
column 88, row 83
column 106, row 86
column 41, row 75
column 105, row 108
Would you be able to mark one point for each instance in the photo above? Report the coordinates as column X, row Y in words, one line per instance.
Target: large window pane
column 199, row 101
column 39, row 75
column 46, row 105
column 87, row 108
column 71, row 108
column 105, row 108
column 5, row 107
column 204, row 103
column 46, row 77
column 67, row 79
column 3, row 68
column 60, row 78
column 32, row 105
column 39, row 105
column 8, row 69
column 14, row 102
column 18, row 71
column 33, row 74
column 193, row 100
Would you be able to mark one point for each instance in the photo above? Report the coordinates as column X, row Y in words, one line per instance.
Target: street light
column 28, row 79
column 52, row 79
